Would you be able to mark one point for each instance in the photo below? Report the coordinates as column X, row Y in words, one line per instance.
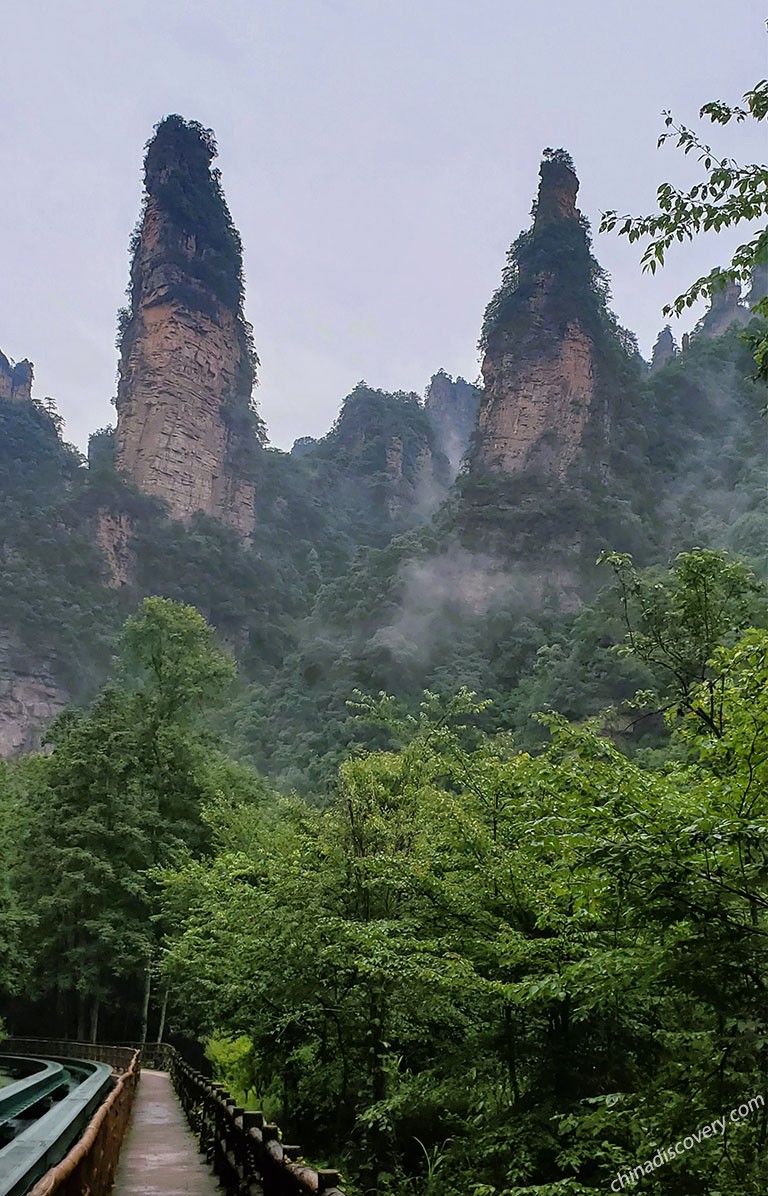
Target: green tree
column 121, row 790
column 676, row 620
column 728, row 194
column 15, row 920
column 170, row 658
column 539, row 967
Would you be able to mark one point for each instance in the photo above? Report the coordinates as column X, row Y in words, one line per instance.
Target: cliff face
column 664, row 350
column 114, row 533
column 385, row 445
column 380, row 468
column 186, row 429
column 555, row 470
column 30, row 699
column 452, row 408
column 539, row 367
column 15, row 380
column 538, row 403
column 725, row 310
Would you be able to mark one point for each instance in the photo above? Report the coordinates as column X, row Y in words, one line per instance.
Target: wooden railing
column 244, row 1150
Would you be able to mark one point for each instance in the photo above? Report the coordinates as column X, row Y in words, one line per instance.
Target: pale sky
column 378, row 157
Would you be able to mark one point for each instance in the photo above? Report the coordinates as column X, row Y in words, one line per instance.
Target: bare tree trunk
column 145, row 1005
column 80, row 1017
column 163, row 1011
column 95, row 1019
column 62, row 1021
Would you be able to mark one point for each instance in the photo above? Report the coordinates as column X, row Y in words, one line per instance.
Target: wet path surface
column 160, row 1155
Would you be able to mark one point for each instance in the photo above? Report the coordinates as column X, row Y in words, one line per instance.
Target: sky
column 378, row 157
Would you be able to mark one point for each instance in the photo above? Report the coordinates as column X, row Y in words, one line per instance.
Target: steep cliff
column 557, row 456
column 664, row 350
column 452, row 406
column 30, row 698
column 381, row 466
column 725, row 310
column 187, row 431
column 539, row 366
column 15, row 380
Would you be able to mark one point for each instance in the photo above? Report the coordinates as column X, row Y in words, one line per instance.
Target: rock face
column 555, row 468
column 15, row 380
column 664, row 349
column 759, row 284
column 387, row 447
column 114, row 534
column 186, row 429
column 725, row 310
column 452, row 408
column 541, row 406
column 541, row 399
column 380, row 464
column 30, row 699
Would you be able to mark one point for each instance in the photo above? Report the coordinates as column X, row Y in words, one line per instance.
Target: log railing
column 244, row 1150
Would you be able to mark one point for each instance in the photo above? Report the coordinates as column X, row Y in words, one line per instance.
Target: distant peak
column 15, row 378
column 558, row 188
column 177, row 140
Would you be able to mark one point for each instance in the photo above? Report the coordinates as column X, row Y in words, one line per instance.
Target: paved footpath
column 160, row 1155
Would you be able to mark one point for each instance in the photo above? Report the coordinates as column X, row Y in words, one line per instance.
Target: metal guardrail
column 43, row 1078
column 33, row 1151
column 99, row 1126
column 244, row 1150
column 118, row 1057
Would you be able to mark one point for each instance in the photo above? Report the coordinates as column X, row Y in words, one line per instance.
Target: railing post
column 242, row 1148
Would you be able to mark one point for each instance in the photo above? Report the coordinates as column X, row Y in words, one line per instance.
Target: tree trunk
column 95, row 1019
column 62, row 1020
column 145, row 1005
column 80, row 1017
column 163, row 1011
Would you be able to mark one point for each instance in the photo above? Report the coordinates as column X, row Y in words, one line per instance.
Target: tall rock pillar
column 187, row 431
column 539, row 363
column 16, row 380
column 555, row 471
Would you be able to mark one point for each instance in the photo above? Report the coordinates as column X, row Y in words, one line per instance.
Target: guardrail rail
column 74, row 1147
column 43, row 1078
column 245, row 1151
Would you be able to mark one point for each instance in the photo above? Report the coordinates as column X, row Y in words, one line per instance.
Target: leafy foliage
column 179, row 178
column 510, row 954
column 530, row 970
column 674, row 625
column 121, row 789
column 729, row 194
column 52, row 589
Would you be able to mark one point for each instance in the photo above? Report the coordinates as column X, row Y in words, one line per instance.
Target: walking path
column 160, row 1155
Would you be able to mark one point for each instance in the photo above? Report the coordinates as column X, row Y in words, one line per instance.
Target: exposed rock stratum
column 539, row 365
column 15, row 379
column 186, row 426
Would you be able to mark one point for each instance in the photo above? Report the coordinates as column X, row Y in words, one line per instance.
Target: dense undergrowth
column 478, row 968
